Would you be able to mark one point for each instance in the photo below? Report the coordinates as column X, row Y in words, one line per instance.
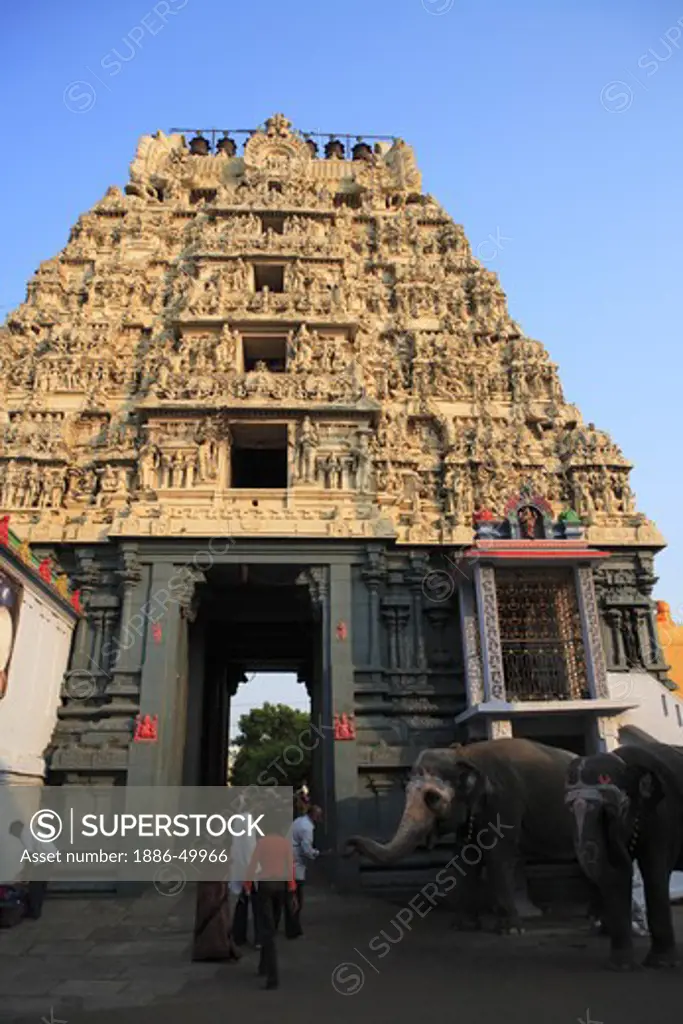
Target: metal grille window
column 540, row 629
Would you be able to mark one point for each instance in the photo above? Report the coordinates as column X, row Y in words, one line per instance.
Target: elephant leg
column 616, row 898
column 501, row 872
column 467, row 901
column 656, row 876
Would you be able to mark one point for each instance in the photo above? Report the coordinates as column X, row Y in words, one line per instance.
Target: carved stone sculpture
column 367, row 303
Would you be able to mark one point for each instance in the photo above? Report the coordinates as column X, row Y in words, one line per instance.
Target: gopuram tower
column 274, row 383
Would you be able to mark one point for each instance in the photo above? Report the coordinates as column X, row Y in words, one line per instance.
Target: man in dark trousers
column 272, row 856
column 301, row 835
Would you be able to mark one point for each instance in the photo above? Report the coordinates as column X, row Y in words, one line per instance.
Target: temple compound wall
column 267, row 410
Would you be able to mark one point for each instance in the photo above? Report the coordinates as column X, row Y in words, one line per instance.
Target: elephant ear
column 644, row 786
column 470, row 783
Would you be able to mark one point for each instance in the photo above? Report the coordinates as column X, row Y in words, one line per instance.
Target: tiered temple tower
column 298, row 351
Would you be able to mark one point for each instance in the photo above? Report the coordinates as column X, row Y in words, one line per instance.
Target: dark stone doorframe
column 161, row 689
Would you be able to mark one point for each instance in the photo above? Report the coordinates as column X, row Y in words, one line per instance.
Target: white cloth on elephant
column 639, row 924
column 638, row 906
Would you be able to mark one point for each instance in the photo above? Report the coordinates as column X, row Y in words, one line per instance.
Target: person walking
column 272, row 857
column 302, row 834
column 241, row 852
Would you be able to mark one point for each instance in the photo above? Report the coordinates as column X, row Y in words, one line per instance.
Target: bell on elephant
column 226, row 145
column 627, row 809
column 361, row 151
column 199, row 146
column 334, row 150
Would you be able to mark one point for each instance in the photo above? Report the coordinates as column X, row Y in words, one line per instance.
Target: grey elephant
column 511, row 790
column 627, row 807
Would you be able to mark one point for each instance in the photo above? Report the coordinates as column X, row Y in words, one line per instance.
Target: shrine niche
column 529, row 517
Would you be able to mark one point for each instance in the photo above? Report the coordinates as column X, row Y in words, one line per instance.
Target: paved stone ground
column 102, row 961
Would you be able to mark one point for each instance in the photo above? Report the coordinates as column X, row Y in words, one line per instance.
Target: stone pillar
column 373, row 574
column 97, row 622
column 489, row 633
column 648, row 652
column 150, row 763
column 592, row 639
column 340, row 687
column 419, row 567
column 106, row 653
column 474, row 678
column 613, row 620
column 87, row 577
column 129, row 645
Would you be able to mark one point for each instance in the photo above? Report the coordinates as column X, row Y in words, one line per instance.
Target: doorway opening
column 272, row 351
column 259, row 455
column 270, row 276
column 269, row 743
column 258, row 638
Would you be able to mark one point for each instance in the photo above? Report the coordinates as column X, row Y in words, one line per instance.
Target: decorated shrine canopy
column 287, row 339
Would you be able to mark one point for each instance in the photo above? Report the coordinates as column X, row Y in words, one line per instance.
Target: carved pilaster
column 613, row 619
column 395, row 610
column 592, row 638
column 315, row 578
column 489, row 632
column 419, row 567
column 130, row 575
column 86, row 578
column 648, row 651
column 474, row 677
column 374, row 573
column 185, row 582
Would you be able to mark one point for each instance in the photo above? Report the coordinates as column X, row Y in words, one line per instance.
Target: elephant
column 511, row 788
column 627, row 806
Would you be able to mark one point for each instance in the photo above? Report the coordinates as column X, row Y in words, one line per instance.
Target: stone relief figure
column 207, row 452
column 451, row 485
column 333, row 469
column 307, row 447
column 301, row 353
column 225, row 352
column 81, row 486
column 362, row 462
column 148, row 467
column 109, row 484
column 410, row 323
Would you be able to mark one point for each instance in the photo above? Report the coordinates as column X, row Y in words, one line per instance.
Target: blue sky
column 551, row 130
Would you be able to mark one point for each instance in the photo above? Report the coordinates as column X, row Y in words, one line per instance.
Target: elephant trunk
column 415, row 827
column 387, row 853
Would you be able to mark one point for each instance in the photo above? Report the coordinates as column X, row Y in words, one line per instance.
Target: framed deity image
column 10, row 601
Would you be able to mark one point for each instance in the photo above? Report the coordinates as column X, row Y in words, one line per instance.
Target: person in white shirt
column 241, row 852
column 302, row 833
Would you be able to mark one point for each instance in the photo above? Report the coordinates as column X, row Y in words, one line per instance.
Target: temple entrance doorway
column 269, row 731
column 253, row 621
